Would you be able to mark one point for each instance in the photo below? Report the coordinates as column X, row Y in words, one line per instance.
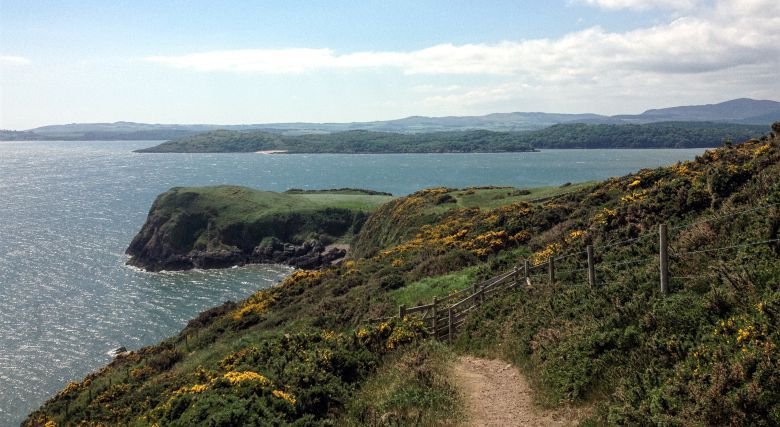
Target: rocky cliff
column 217, row 227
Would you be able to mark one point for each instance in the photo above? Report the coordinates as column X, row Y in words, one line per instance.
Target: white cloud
column 644, row 4
column 725, row 36
column 427, row 88
column 13, row 60
column 728, row 47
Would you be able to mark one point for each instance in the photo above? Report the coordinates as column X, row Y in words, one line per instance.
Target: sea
column 68, row 210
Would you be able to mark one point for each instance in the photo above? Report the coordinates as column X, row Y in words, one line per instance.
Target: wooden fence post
column 591, row 267
column 527, row 268
column 402, row 311
column 551, row 268
column 435, row 315
column 516, row 276
column 663, row 252
column 449, row 325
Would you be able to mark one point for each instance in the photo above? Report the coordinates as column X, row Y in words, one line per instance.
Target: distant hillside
column 576, row 135
column 357, row 141
column 497, row 122
column 742, row 111
column 652, row 135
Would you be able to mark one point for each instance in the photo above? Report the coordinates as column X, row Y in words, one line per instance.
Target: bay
column 69, row 209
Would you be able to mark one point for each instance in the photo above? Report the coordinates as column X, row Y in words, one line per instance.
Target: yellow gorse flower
column 762, row 149
column 542, row 256
column 257, row 304
column 284, row 396
column 636, row 196
column 198, row 388
column 246, row 376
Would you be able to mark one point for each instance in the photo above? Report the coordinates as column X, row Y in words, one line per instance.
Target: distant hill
column 350, row 142
column 740, row 111
column 743, row 110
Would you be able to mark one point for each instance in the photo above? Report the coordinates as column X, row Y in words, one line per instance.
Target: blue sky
column 269, row 61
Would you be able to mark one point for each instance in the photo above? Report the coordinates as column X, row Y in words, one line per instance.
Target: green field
column 493, row 197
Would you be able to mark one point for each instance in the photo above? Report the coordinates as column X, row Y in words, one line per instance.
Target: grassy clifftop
column 297, row 353
column 228, row 225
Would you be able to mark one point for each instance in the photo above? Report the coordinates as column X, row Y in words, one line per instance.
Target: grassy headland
column 297, row 353
column 228, row 225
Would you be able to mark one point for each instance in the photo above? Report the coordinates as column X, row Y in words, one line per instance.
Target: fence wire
column 723, row 248
column 727, row 215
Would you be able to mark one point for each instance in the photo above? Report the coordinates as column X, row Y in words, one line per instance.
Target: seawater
column 69, row 209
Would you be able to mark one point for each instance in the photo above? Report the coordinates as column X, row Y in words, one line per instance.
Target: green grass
column 238, row 219
column 423, row 291
column 234, row 203
column 484, row 198
column 361, row 202
column 488, row 198
column 411, row 388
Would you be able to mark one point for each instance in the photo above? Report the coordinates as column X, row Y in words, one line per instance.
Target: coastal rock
column 307, row 255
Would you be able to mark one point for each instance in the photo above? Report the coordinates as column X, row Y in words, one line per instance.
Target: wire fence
column 723, row 216
column 599, row 273
column 723, row 248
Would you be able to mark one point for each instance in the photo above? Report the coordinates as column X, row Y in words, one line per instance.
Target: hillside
column 578, row 135
column 705, row 354
column 351, row 142
column 212, row 227
column 739, row 111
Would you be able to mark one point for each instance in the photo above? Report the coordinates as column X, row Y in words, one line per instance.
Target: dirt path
column 497, row 395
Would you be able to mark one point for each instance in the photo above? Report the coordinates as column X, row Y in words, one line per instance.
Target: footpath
column 496, row 394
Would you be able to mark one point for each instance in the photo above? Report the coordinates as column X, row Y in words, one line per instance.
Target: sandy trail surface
column 496, row 394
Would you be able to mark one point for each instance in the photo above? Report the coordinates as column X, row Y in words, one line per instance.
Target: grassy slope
column 232, row 203
column 346, row 201
column 667, row 360
column 707, row 353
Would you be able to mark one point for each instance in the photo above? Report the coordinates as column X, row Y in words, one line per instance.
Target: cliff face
column 217, row 227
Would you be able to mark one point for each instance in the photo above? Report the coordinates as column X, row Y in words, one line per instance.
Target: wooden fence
column 444, row 316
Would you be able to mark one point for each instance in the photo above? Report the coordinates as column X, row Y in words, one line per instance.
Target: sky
column 233, row 62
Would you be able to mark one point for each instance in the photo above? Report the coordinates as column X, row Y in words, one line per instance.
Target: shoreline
column 272, row 152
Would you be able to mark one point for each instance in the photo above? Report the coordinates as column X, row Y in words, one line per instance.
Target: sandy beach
column 271, row 152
